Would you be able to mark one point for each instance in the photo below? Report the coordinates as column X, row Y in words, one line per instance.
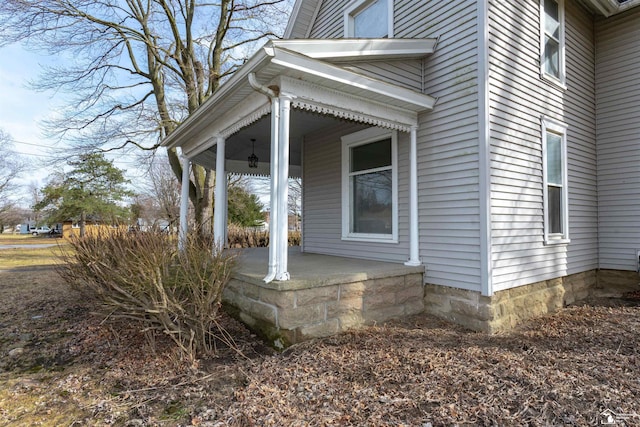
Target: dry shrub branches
column 143, row 277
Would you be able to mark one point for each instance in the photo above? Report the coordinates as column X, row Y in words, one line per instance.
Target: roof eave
column 610, row 7
column 329, row 72
column 358, row 50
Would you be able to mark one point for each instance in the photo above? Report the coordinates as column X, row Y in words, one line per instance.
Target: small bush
column 142, row 276
column 251, row 237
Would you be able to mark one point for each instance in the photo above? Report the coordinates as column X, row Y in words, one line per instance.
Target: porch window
column 369, row 19
column 554, row 157
column 552, row 41
column 369, row 186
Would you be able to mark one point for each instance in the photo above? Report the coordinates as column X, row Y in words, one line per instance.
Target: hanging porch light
column 253, row 159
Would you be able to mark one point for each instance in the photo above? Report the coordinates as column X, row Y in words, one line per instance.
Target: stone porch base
column 287, row 316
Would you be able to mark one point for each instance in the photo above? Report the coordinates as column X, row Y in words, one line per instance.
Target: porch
column 325, row 294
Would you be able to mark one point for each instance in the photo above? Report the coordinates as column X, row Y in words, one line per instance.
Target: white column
column 414, row 233
column 282, row 272
column 184, row 204
column 273, row 236
column 219, row 213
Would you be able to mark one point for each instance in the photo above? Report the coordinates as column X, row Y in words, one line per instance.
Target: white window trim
column 360, row 138
column 550, row 125
column 356, row 6
column 562, row 81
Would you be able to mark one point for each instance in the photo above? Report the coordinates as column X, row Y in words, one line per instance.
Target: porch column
column 414, row 244
column 184, row 204
column 273, row 236
column 219, row 214
column 282, row 230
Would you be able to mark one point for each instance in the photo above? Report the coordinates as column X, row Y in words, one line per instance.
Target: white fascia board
column 193, row 124
column 250, row 109
column 295, row 61
column 355, row 50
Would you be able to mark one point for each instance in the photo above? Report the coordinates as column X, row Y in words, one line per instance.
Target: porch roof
column 312, row 72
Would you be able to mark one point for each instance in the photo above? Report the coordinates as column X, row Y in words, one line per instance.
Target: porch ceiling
column 238, row 146
column 307, row 71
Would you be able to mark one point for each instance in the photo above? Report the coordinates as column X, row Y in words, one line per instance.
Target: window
column 369, row 19
column 554, row 163
column 552, row 41
column 369, row 186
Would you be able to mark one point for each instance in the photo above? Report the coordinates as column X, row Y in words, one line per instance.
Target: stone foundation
column 297, row 310
column 508, row 308
column 290, row 312
column 614, row 283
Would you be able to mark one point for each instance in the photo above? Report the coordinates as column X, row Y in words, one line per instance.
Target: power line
column 15, row 141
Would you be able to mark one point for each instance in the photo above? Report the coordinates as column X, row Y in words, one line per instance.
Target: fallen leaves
column 559, row 370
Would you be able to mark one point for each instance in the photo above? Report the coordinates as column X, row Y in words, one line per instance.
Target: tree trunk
column 83, row 222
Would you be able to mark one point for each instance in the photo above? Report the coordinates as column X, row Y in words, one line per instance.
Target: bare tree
column 161, row 196
column 11, row 166
column 295, row 200
column 137, row 68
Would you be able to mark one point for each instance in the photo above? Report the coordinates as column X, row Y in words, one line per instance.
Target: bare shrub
column 142, row 276
column 251, row 237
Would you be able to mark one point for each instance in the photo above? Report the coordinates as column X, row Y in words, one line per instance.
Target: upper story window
column 369, row 19
column 370, row 186
column 556, row 198
column 552, row 49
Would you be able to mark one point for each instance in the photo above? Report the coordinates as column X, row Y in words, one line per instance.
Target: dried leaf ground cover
column 60, row 365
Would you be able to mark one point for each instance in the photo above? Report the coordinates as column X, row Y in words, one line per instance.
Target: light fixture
column 253, row 159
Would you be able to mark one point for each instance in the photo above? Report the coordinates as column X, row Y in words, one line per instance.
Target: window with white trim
column 369, row 186
column 552, row 59
column 554, row 164
column 369, row 19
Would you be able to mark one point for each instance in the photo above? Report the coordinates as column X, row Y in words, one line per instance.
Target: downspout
column 184, row 204
column 274, row 220
column 219, row 215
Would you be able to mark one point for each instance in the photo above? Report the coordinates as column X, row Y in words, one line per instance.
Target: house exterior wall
column 322, row 200
column 448, row 184
column 618, row 128
column 518, row 99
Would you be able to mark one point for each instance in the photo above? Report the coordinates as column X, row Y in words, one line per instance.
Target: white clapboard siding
column 447, row 147
column 448, row 181
column 518, row 100
column 323, row 194
column 618, row 136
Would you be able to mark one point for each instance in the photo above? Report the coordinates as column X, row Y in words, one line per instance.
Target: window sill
column 553, row 81
column 370, row 238
column 557, row 241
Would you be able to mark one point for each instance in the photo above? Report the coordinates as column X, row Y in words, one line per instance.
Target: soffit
column 302, row 16
column 610, row 7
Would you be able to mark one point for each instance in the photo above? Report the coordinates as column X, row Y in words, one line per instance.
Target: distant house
column 494, row 144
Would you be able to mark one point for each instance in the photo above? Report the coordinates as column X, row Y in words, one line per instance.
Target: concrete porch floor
column 308, row 269
column 326, row 294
